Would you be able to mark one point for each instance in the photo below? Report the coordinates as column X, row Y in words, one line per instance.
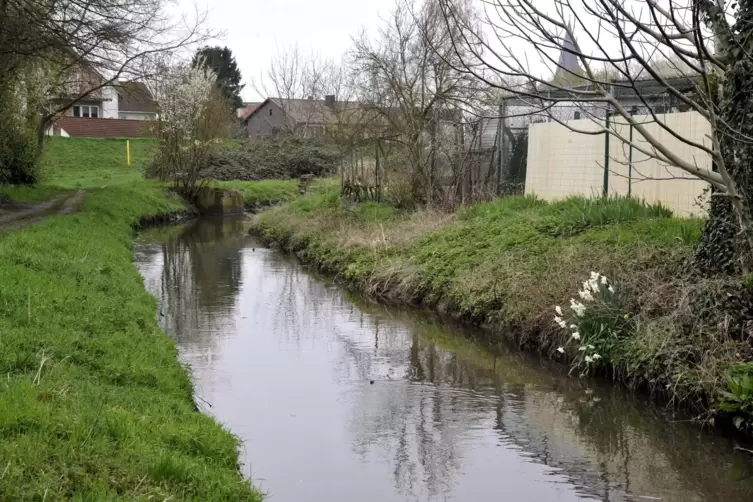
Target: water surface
column 286, row 360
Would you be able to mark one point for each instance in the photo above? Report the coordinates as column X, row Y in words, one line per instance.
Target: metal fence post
column 606, row 156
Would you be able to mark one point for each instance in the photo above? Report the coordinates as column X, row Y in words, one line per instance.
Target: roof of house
column 135, row 97
column 247, row 110
column 105, row 128
column 311, row 111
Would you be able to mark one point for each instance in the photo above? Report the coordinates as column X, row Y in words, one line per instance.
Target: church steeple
column 568, row 64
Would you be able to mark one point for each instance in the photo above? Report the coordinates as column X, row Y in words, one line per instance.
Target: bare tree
column 410, row 75
column 85, row 46
column 299, row 83
column 627, row 48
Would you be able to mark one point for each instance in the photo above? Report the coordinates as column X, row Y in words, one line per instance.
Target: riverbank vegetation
column 94, row 404
column 507, row 264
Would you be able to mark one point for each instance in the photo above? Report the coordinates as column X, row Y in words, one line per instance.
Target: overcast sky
column 256, row 30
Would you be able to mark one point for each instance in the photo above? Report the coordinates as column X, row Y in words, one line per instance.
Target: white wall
column 109, row 103
column 562, row 162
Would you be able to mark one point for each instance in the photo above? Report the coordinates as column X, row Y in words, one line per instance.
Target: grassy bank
column 94, row 404
column 94, row 162
column 508, row 263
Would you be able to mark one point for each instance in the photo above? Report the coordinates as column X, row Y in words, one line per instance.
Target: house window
column 86, row 111
column 270, row 112
column 577, row 116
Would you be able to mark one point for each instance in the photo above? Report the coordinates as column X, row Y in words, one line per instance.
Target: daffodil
column 603, row 279
column 589, row 359
column 558, row 309
column 596, row 357
column 611, row 289
column 561, row 350
column 576, row 336
column 577, row 307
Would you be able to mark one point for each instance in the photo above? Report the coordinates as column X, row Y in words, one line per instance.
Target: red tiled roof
column 78, row 127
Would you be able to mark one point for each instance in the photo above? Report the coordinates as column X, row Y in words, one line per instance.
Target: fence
column 562, row 162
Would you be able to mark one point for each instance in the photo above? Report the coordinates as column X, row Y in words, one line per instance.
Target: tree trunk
column 725, row 245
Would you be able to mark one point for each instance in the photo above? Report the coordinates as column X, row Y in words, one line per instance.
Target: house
column 135, row 101
column 243, row 114
column 124, row 100
column 301, row 115
column 116, row 110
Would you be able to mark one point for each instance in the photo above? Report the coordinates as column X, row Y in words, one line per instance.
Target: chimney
column 329, row 100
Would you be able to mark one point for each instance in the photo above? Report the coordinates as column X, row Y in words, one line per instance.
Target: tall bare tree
column 409, row 73
column 619, row 46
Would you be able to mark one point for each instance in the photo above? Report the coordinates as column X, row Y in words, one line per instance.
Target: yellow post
column 128, row 152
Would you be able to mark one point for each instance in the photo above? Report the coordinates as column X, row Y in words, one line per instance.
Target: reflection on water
column 286, row 361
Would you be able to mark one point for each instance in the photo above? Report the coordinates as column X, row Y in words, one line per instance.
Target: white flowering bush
column 595, row 323
column 192, row 117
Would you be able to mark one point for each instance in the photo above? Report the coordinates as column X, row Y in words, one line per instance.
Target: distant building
column 135, row 102
column 114, row 110
column 279, row 114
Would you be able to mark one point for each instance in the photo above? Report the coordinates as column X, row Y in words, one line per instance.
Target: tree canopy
column 222, row 62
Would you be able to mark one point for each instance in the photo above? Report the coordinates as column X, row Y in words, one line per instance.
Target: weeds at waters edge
column 507, row 263
column 93, row 402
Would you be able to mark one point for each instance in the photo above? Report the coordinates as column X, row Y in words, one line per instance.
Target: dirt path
column 21, row 215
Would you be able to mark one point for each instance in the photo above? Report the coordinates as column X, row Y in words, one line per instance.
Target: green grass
column 94, row 404
column 27, row 193
column 259, row 194
column 507, row 263
column 90, row 162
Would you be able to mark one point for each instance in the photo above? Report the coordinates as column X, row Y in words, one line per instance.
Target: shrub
column 273, row 157
column 192, row 117
column 738, row 398
column 18, row 150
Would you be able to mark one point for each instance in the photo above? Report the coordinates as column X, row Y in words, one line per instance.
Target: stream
column 338, row 399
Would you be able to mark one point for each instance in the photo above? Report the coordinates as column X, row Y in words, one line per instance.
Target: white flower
column 591, row 347
column 576, row 336
column 573, row 326
column 586, row 286
column 589, row 359
column 593, row 285
column 596, row 357
column 611, row 289
column 603, row 279
column 594, row 275
column 586, row 295
column 558, row 309
column 561, row 322
column 561, row 350
column 581, row 348
column 577, row 307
